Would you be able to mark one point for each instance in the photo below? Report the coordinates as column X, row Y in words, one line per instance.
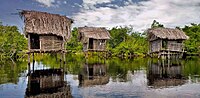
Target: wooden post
column 104, row 59
column 29, row 69
column 61, row 59
column 29, row 83
column 149, row 52
column 63, row 50
column 33, row 64
column 168, row 54
column 64, row 57
column 29, row 47
column 33, row 57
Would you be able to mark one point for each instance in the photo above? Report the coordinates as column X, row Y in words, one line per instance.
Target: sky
column 138, row 14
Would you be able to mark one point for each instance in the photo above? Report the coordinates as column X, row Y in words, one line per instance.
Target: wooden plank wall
column 175, row 46
column 156, row 46
column 50, row 43
column 98, row 45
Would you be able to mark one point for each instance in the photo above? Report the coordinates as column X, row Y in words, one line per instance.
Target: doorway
column 34, row 41
column 90, row 43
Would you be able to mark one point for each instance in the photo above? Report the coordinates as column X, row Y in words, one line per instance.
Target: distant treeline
column 124, row 40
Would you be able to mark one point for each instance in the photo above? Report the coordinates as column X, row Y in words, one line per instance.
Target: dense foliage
column 125, row 41
column 12, row 42
column 192, row 45
column 74, row 44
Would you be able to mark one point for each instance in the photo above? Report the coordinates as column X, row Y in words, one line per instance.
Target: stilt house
column 46, row 32
column 166, row 41
column 93, row 38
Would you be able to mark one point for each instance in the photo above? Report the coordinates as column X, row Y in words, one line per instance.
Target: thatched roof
column 46, row 23
column 167, row 83
column 166, row 33
column 94, row 32
column 97, row 80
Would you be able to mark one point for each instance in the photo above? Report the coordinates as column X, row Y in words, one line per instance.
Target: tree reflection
column 10, row 71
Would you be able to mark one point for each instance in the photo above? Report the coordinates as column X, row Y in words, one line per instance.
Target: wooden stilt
column 61, row 59
column 29, row 69
column 33, row 65
column 33, row 58
column 29, row 83
column 64, row 57
column 104, row 60
column 29, row 46
column 168, row 54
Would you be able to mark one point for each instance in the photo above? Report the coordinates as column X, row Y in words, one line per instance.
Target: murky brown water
column 115, row 78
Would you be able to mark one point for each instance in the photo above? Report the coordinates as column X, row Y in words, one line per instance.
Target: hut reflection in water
column 47, row 83
column 93, row 74
column 165, row 73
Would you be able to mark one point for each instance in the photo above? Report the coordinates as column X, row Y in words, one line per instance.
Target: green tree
column 192, row 45
column 125, row 41
column 156, row 24
column 118, row 35
column 12, row 42
column 74, row 44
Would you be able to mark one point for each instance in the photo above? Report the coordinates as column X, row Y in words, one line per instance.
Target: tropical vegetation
column 124, row 41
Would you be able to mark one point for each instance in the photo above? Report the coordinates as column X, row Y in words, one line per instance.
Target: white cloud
column 171, row 13
column 89, row 4
column 96, row 1
column 47, row 3
column 76, row 4
column 65, row 2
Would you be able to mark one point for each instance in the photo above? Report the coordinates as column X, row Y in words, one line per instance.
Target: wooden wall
column 172, row 45
column 156, row 45
column 175, row 46
column 48, row 43
column 99, row 44
column 85, row 46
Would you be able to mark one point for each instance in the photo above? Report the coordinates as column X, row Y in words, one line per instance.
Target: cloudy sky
column 108, row 13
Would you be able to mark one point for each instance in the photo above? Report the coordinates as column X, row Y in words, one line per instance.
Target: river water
column 112, row 78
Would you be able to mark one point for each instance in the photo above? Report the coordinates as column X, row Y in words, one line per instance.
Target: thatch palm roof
column 46, row 23
column 94, row 32
column 97, row 80
column 166, row 33
column 159, row 83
